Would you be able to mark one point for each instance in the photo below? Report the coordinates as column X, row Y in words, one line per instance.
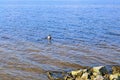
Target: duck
column 49, row 37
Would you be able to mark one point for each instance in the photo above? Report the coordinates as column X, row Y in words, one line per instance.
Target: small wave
column 113, row 33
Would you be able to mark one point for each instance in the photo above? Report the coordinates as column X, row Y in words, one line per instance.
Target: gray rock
column 100, row 70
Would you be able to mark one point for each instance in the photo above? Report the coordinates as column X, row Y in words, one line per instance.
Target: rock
column 106, row 77
column 75, row 73
column 100, row 70
column 78, row 78
column 85, row 76
column 78, row 72
column 95, row 73
column 116, row 69
column 92, row 77
column 69, row 78
column 99, row 77
column 114, row 77
column 56, row 75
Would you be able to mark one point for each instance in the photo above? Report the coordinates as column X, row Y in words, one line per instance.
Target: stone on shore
column 116, row 69
column 101, row 70
column 114, row 77
column 95, row 73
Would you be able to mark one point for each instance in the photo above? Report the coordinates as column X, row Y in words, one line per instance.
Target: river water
column 81, row 36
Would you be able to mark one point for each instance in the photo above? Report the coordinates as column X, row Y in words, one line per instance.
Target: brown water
column 82, row 36
column 30, row 61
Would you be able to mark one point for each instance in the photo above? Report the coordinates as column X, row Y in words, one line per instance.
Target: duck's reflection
column 49, row 42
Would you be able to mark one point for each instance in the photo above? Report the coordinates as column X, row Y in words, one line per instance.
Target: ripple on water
column 82, row 36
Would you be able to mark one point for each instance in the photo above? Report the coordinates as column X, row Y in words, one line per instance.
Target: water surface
column 86, row 35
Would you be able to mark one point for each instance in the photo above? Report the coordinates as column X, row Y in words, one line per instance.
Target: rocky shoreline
column 94, row 73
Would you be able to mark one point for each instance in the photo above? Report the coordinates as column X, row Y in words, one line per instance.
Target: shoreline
column 91, row 73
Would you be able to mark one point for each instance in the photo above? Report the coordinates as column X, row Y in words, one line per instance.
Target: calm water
column 82, row 36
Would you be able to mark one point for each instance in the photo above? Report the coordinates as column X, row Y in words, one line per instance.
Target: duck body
column 49, row 37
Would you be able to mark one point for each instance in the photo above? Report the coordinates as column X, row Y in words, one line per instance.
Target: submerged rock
column 54, row 75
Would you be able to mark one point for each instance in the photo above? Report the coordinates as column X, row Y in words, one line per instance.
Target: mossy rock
column 116, row 69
